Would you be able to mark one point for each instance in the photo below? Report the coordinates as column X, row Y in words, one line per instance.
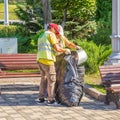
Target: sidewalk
column 18, row 101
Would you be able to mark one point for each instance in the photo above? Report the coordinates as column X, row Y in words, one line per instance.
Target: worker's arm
column 53, row 40
column 58, row 48
column 61, row 50
column 69, row 44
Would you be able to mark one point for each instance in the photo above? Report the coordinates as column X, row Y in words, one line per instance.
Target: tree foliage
column 104, row 9
column 73, row 15
column 104, row 22
column 76, row 10
column 32, row 14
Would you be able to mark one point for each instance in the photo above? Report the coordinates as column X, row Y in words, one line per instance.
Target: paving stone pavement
column 18, row 101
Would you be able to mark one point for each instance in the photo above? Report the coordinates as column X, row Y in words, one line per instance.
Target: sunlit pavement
column 18, row 101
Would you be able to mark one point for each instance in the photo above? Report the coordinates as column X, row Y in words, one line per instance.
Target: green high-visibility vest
column 45, row 49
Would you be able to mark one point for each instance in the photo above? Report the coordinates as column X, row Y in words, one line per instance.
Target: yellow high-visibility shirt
column 53, row 40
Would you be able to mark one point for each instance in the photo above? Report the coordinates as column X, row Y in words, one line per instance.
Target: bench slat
column 17, row 62
column 17, row 75
column 17, row 54
column 110, row 73
column 20, row 67
column 114, row 89
column 107, row 82
column 109, row 66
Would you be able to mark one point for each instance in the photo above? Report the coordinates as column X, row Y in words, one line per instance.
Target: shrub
column 103, row 33
column 33, row 43
column 20, row 33
column 97, row 55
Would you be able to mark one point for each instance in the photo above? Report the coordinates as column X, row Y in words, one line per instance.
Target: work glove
column 67, row 51
column 78, row 48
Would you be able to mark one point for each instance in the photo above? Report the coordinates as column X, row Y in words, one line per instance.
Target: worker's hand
column 78, row 48
column 67, row 51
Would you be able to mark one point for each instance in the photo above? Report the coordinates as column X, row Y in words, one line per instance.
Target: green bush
column 103, row 33
column 97, row 55
column 104, row 22
column 8, row 31
column 20, row 33
column 33, row 42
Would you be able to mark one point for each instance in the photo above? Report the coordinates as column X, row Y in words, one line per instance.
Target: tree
column 74, row 15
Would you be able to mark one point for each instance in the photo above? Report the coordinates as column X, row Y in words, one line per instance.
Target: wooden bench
column 15, row 62
column 110, row 76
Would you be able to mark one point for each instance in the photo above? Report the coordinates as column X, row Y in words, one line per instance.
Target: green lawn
column 11, row 8
column 94, row 81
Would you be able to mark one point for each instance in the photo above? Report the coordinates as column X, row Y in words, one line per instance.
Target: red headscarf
column 55, row 26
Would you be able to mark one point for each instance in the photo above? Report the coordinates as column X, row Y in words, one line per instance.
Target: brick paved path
column 18, row 101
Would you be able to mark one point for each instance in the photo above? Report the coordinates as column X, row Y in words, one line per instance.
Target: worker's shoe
column 41, row 100
column 52, row 102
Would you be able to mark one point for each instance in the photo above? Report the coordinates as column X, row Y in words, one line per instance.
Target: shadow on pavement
column 19, row 87
column 27, row 95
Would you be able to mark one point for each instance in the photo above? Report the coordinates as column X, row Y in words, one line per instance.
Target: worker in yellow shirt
column 47, row 48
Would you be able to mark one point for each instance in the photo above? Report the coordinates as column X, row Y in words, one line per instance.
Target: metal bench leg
column 113, row 97
column 117, row 105
column 117, row 100
column 107, row 102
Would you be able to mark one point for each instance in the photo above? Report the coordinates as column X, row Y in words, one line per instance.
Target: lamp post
column 6, row 16
column 115, row 37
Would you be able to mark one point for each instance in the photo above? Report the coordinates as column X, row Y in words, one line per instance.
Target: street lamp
column 115, row 37
column 6, row 16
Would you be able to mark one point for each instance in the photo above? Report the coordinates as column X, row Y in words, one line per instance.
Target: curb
column 94, row 93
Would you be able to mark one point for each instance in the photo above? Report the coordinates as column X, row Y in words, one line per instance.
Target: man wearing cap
column 47, row 47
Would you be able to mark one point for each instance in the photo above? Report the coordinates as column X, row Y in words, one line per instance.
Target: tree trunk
column 46, row 12
column 65, row 15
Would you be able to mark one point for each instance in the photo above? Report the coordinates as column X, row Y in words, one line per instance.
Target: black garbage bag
column 69, row 90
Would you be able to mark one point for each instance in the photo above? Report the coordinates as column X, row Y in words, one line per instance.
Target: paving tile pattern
column 19, row 101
